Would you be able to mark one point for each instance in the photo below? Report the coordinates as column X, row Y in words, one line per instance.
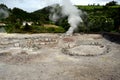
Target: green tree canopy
column 111, row 3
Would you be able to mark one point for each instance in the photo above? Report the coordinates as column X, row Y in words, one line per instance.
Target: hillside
column 98, row 19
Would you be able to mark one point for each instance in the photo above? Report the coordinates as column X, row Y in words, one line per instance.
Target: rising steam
column 55, row 12
column 73, row 15
column 3, row 13
column 69, row 10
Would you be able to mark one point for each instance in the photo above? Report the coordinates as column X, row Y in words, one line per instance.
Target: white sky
column 32, row 5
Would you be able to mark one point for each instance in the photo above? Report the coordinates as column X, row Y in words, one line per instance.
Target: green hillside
column 98, row 19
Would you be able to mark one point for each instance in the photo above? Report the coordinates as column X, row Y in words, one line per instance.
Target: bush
column 9, row 28
column 59, row 30
column 54, row 30
column 101, row 24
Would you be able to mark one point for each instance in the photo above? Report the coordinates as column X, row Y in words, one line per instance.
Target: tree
column 20, row 14
column 111, row 3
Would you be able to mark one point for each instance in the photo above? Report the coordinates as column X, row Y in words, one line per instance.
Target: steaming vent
column 67, row 10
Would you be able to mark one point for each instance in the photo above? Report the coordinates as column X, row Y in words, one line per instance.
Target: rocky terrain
column 59, row 57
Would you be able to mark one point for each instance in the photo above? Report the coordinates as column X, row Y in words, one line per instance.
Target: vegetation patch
column 98, row 18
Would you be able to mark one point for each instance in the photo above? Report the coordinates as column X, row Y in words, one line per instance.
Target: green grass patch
column 33, row 29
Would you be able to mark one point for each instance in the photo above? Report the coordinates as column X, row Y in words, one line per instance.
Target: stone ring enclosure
column 87, row 50
column 58, row 57
column 77, row 45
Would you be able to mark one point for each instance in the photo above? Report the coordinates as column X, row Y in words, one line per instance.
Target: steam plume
column 73, row 15
column 3, row 13
column 69, row 10
column 55, row 14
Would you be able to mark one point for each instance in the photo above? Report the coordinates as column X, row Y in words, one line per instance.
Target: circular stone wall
column 87, row 49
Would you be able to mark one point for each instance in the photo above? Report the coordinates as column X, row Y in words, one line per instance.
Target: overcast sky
column 32, row 5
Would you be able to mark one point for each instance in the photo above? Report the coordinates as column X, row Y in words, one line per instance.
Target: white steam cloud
column 69, row 10
column 73, row 15
column 3, row 13
column 55, row 13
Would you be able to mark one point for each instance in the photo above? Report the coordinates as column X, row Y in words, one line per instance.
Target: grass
column 35, row 29
column 89, row 8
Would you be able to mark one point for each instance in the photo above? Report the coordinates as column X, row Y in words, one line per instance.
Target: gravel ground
column 43, row 57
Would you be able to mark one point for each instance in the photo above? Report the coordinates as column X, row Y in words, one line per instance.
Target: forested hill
column 99, row 19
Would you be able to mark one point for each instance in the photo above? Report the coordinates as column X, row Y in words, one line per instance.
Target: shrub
column 101, row 24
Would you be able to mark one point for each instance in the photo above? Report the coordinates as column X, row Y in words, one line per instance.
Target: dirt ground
column 59, row 57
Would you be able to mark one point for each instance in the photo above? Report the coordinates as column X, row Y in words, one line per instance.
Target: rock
column 17, row 44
